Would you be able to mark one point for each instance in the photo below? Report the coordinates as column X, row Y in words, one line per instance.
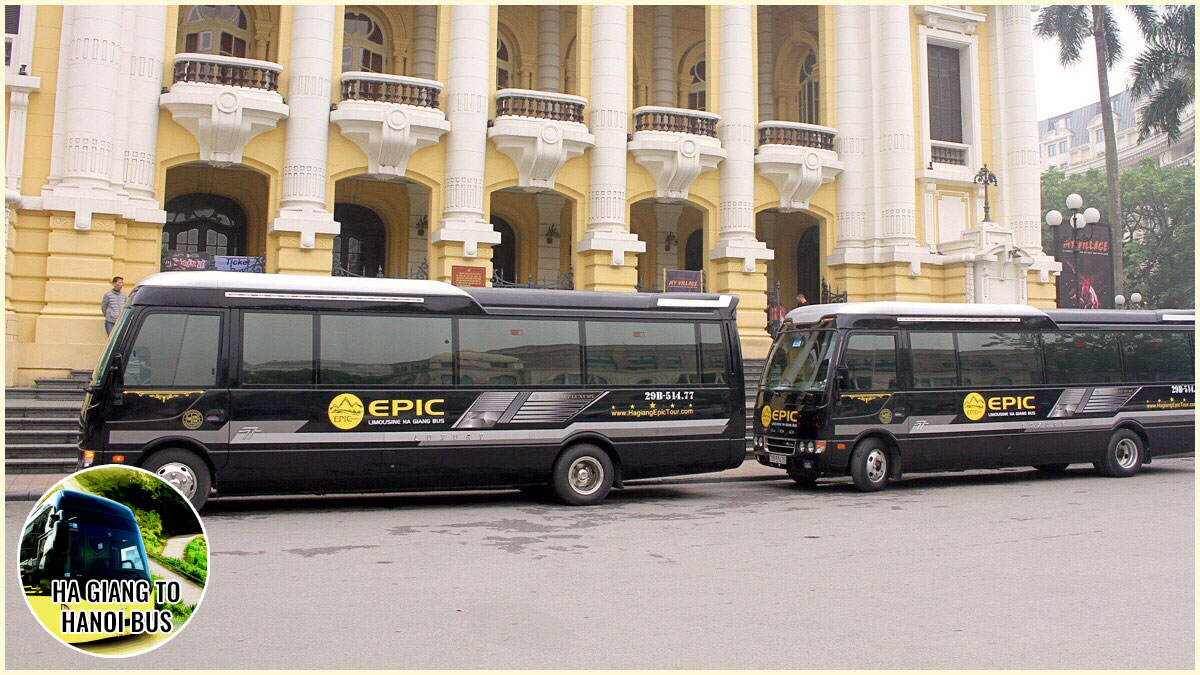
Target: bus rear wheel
column 582, row 475
column 185, row 470
column 869, row 465
column 1124, row 455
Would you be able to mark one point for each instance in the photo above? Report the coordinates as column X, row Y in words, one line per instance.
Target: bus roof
column 1122, row 316
column 814, row 313
column 298, row 283
column 861, row 313
column 71, row 499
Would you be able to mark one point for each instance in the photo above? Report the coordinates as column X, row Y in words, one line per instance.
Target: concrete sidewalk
column 31, row 486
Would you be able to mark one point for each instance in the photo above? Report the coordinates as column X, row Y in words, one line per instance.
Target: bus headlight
column 759, row 443
column 820, row 447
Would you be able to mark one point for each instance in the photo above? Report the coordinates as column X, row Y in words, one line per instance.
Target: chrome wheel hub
column 876, row 466
column 585, row 475
column 179, row 475
column 1127, row 453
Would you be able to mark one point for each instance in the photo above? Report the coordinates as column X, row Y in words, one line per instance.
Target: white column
column 90, row 100
column 664, row 56
column 418, row 244
column 549, row 208
column 852, row 97
column 549, row 48
column 302, row 207
column 606, row 230
column 736, row 130
column 142, row 109
column 1016, row 125
column 466, row 144
column 894, row 126
column 14, row 154
column 424, row 41
column 766, row 65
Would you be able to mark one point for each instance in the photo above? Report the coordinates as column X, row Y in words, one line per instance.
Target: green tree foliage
column 150, row 524
column 143, row 491
column 1165, row 72
column 196, row 552
column 1158, row 228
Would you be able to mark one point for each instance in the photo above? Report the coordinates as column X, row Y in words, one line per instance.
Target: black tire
column 1123, row 456
column 807, row 480
column 185, row 470
column 1052, row 469
column 870, row 464
column 592, row 477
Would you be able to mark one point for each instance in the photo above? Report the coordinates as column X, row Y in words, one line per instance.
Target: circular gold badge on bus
column 345, row 411
column 974, row 406
column 766, row 416
column 885, row 416
column 192, row 419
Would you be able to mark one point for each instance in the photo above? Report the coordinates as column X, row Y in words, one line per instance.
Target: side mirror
column 114, row 363
column 843, row 377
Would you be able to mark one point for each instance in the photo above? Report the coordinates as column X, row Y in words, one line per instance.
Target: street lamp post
column 1080, row 219
column 985, row 177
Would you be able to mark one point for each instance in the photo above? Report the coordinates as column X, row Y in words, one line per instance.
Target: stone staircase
column 42, row 422
column 41, row 425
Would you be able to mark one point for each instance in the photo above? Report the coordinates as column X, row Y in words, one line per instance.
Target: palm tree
column 1165, row 73
column 1071, row 25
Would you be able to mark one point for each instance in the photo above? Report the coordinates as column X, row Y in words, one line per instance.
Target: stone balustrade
column 945, row 152
column 675, row 120
column 380, row 88
column 540, row 105
column 797, row 134
column 226, row 71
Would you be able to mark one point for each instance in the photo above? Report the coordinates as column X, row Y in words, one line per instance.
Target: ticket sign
column 468, row 275
column 683, row 281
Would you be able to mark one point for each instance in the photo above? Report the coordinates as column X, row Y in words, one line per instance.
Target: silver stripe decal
column 270, row 433
column 1164, row 416
column 323, row 296
column 145, row 436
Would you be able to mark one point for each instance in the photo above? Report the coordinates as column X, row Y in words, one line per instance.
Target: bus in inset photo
column 872, row 390
column 234, row 384
column 73, row 536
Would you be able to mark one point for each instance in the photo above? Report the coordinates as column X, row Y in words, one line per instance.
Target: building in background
column 1073, row 142
column 590, row 147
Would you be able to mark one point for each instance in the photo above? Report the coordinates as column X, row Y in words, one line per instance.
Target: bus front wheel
column 869, row 465
column 185, row 470
column 1124, row 454
column 582, row 475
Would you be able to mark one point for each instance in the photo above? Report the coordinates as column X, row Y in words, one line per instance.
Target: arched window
column 808, row 265
column 697, row 87
column 215, row 29
column 504, row 65
column 809, row 97
column 504, row 254
column 359, row 250
column 204, row 223
column 363, row 44
column 693, row 251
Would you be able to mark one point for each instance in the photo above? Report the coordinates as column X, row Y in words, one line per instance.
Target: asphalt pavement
column 999, row 569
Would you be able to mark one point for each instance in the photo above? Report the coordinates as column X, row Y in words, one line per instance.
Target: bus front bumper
column 797, row 463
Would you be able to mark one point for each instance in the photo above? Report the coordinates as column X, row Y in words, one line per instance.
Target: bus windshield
column 799, row 360
column 102, row 547
column 102, row 366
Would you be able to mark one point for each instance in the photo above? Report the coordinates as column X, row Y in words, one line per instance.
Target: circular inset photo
column 113, row 561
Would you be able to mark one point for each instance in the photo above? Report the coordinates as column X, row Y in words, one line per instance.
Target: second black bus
column 257, row 384
column 872, row 390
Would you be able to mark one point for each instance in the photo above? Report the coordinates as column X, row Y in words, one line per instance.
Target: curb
column 21, row 496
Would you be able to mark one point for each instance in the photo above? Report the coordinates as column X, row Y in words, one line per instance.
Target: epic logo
column 975, row 406
column 346, row 411
column 769, row 415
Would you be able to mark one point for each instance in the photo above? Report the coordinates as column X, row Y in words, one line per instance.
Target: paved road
column 175, row 545
column 981, row 570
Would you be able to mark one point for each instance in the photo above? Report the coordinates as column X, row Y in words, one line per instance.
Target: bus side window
column 174, row 350
column 871, row 360
column 934, row 364
column 999, row 359
column 1157, row 356
column 624, row 352
column 712, row 354
column 1081, row 358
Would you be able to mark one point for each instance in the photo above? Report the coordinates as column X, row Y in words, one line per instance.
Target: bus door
column 288, row 433
column 170, row 383
column 870, row 392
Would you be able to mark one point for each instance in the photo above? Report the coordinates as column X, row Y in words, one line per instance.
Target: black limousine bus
column 256, row 384
column 873, row 389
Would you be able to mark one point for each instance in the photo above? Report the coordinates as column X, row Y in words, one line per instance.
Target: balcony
column 539, row 131
column 945, row 152
column 798, row 158
column 389, row 117
column 676, row 146
column 224, row 102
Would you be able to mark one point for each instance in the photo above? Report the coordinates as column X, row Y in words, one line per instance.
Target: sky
column 1061, row 90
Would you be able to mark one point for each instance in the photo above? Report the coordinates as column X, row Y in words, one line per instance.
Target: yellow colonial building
column 779, row 149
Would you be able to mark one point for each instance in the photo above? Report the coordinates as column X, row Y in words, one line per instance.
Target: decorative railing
column 796, row 133
column 540, row 104
column 564, row 281
column 227, row 71
column 414, row 91
column 676, row 120
column 945, row 152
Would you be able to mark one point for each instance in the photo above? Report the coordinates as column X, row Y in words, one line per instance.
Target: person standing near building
column 801, row 300
column 112, row 304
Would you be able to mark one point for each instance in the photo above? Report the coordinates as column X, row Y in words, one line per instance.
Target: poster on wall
column 683, row 281
column 468, row 275
column 1086, row 281
column 186, row 261
column 240, row 263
